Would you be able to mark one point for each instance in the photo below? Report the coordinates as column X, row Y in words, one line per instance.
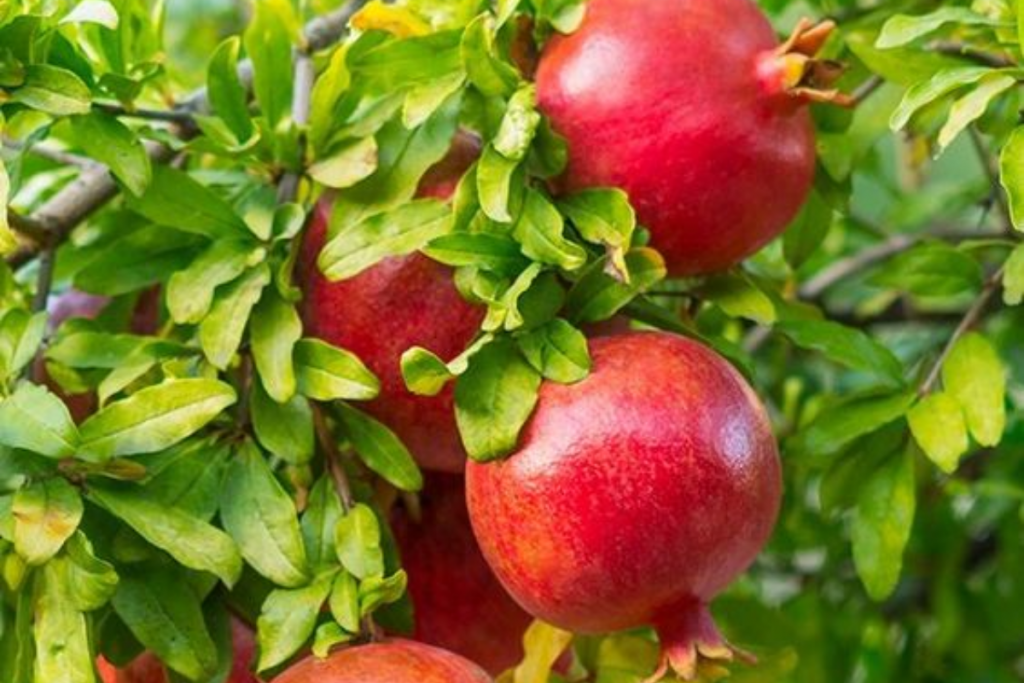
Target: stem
column 993, row 177
column 27, row 227
column 863, row 260
column 305, row 75
column 57, row 156
column 333, row 458
column 866, row 89
column 957, row 49
column 176, row 116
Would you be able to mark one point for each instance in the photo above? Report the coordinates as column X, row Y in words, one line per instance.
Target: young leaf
column 46, row 514
column 849, row 420
column 344, row 601
column 380, row 449
column 110, row 142
column 8, row 240
column 424, row 373
column 974, row 375
column 346, row 165
column 357, row 539
column 598, row 296
column 902, row 29
column 323, row 510
column 221, row 332
column 539, row 230
column 287, row 620
column 53, row 90
column 941, row 84
column 327, row 91
column 519, row 125
column 261, row 517
column 494, row 174
column 91, row 581
column 739, row 297
column 227, row 95
column 175, row 200
column 36, row 420
column 973, row 106
column 377, row 591
column 496, row 253
column 939, row 428
column 190, row 291
column 1013, row 280
column 882, row 523
column 167, row 619
column 275, row 329
column 60, row 631
column 931, row 269
column 486, row 71
column 268, row 42
column 326, row 373
column 544, row 644
column 189, row 540
column 493, row 400
column 21, row 334
column 1011, row 175
column 847, row 346
column 284, row 429
column 155, row 418
column 602, row 216
column 93, row 12
column 558, row 351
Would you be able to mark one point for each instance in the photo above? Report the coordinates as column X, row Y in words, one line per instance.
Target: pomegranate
column 635, row 496
column 459, row 604
column 399, row 303
column 692, row 108
column 393, row 661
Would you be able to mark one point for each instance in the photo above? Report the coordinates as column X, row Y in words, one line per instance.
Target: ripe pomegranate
column 393, row 661
column 693, row 109
column 635, row 496
column 459, row 604
column 399, row 303
column 146, row 668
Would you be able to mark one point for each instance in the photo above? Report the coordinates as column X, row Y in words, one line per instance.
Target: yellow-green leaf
column 939, row 428
column 974, row 375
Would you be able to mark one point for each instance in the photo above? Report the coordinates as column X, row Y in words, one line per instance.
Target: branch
column 305, row 75
column 993, row 177
column 333, row 458
column 57, row 156
column 176, row 116
column 957, row 49
column 26, row 226
column 840, row 270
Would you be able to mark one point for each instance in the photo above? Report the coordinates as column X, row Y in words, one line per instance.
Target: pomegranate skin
column 397, row 304
column 459, row 603
column 676, row 103
column 393, row 661
column 635, row 495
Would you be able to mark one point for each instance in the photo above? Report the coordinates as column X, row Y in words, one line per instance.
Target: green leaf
column 190, row 477
column 493, row 400
column 847, row 346
column 974, row 375
column 287, row 620
column 327, row 91
column 380, row 449
column 21, row 335
column 176, row 200
column 602, row 216
column 110, row 142
column 167, row 618
column 346, row 165
column 1013, row 280
column 53, row 90
column 268, row 42
column 739, row 297
column 1011, row 175
column 357, row 538
column 398, row 64
column 93, row 12
column 931, row 269
column 155, row 418
column 284, row 429
column 91, row 581
column 326, row 373
column 558, row 351
column 494, row 175
column 8, row 240
column 850, row 420
column 485, row 70
column 35, row 420
column 189, row 540
column 598, row 296
column 882, row 523
column 808, row 230
column 565, row 16
column 496, row 253
column 540, row 231
column 377, row 591
column 543, row 645
column 46, row 514
column 63, row 654
column 519, row 124
column 505, row 10
column 423, row 99
column 261, row 517
column 323, row 510
column 973, row 106
column 425, row 374
column 221, row 332
column 903, row 29
column 111, row 351
column 939, row 428
column 395, row 233
column 941, row 84
column 344, row 601
column 276, row 328
column 190, row 291
column 227, row 95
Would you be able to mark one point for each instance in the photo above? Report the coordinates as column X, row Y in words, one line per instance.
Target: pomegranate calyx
column 794, row 68
column 692, row 646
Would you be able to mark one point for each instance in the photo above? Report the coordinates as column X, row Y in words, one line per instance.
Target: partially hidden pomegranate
column 458, row 603
column 635, row 496
column 392, row 661
column 693, row 109
column 397, row 304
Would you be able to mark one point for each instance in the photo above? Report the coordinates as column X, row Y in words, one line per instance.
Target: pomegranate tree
column 393, row 661
column 693, row 108
column 635, row 495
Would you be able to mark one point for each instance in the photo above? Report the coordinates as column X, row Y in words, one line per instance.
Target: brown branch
column 179, row 117
column 332, row 457
column 302, row 92
column 842, row 269
column 57, row 156
column 993, row 177
column 26, row 227
column 957, row 49
column 866, row 89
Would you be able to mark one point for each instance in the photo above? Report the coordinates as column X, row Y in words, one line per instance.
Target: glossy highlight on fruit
column 397, row 304
column 392, row 661
column 693, row 109
column 635, row 496
column 458, row 603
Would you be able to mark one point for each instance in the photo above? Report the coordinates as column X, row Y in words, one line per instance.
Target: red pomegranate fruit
column 393, row 661
column 635, row 496
column 397, row 304
column 693, row 109
column 458, row 603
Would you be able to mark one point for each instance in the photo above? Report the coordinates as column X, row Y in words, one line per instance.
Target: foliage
column 228, row 465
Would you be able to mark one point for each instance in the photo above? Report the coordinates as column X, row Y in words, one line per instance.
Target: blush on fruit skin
column 458, row 603
column 676, row 103
column 399, row 303
column 391, row 661
column 635, row 496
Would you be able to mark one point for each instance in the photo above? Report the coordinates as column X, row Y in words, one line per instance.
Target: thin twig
column 993, row 177
column 840, row 270
column 176, row 116
column 332, row 456
column 58, row 156
column 867, row 89
column 957, row 49
column 970, row 319
column 44, row 280
column 27, row 227
column 305, row 75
